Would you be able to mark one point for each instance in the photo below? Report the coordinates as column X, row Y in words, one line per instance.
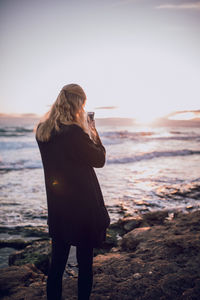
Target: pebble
column 137, row 276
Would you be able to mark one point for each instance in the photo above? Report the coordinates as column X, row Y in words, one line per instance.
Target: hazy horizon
column 171, row 120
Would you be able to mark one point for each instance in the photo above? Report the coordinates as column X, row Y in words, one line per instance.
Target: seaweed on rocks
column 37, row 253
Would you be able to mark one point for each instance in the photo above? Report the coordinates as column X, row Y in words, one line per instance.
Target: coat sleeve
column 86, row 151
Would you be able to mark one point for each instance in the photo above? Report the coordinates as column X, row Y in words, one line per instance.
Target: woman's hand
column 93, row 132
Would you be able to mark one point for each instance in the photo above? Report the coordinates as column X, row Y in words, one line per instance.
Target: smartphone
column 90, row 116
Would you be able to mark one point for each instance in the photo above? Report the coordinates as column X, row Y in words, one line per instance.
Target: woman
column 70, row 147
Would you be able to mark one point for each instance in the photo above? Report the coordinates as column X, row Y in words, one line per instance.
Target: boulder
column 25, row 282
column 131, row 240
column 155, row 217
column 26, row 231
column 129, row 223
column 14, row 243
column 38, row 253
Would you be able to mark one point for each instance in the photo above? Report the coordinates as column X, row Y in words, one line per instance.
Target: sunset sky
column 139, row 58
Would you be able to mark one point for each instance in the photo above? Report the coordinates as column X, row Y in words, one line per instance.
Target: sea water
column 147, row 168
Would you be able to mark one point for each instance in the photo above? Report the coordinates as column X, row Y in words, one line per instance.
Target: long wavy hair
column 67, row 109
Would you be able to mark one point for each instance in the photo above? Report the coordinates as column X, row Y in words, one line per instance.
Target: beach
column 151, row 187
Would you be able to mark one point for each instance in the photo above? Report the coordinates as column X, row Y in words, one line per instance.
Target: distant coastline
column 117, row 121
column 27, row 115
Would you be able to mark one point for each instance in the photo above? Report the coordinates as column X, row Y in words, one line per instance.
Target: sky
column 134, row 58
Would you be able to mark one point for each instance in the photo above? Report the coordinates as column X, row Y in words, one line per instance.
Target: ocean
column 147, row 168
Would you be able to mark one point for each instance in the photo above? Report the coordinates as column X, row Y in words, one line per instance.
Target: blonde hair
column 67, row 109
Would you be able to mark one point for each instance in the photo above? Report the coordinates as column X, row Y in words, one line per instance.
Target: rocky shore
column 152, row 256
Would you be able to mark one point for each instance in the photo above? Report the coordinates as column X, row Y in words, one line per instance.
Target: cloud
column 191, row 5
column 184, row 115
column 186, row 111
column 106, row 107
column 195, row 111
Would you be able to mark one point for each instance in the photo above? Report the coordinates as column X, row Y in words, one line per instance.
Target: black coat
column 76, row 209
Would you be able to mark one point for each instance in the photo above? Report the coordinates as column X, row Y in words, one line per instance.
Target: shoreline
column 152, row 256
column 19, row 237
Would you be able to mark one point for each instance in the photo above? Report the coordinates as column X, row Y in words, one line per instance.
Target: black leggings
column 59, row 256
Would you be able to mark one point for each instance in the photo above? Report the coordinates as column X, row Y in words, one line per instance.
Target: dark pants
column 60, row 253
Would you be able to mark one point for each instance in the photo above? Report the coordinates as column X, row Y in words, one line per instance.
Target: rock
column 26, row 231
column 130, row 223
column 14, row 243
column 137, row 276
column 164, row 265
column 25, row 282
column 4, row 255
column 117, row 227
column 18, row 237
column 38, row 253
column 31, row 231
column 112, row 237
column 155, row 218
column 122, row 208
column 131, row 240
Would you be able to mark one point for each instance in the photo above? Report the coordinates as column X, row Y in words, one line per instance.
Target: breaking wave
column 152, row 155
